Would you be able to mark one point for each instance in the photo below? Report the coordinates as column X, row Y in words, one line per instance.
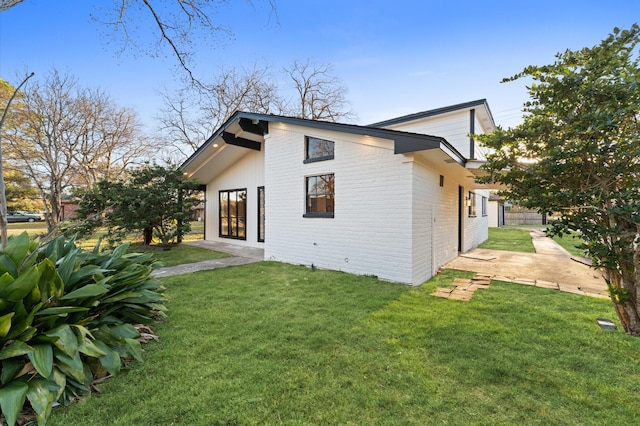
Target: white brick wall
column 371, row 231
column 435, row 220
column 392, row 218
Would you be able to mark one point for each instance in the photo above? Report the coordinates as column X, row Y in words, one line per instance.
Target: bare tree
column 320, row 95
column 191, row 115
column 194, row 113
column 176, row 24
column 109, row 143
column 70, row 135
column 8, row 4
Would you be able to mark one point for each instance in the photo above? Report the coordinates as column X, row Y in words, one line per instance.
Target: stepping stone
column 487, row 276
column 547, row 284
column 442, row 292
column 461, row 281
column 523, row 281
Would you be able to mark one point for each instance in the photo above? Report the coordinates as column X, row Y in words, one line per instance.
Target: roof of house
column 438, row 111
column 258, row 125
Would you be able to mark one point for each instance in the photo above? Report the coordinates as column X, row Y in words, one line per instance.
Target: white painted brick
column 392, row 219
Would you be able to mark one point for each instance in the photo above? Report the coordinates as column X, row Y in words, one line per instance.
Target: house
column 390, row 199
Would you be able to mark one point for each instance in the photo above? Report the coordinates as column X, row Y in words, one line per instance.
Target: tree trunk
column 147, row 234
column 624, row 297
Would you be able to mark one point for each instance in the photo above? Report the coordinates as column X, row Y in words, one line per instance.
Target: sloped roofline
column 434, row 112
column 404, row 142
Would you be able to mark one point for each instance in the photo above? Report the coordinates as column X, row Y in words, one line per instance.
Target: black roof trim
column 232, row 139
column 433, row 112
column 259, row 128
column 405, row 142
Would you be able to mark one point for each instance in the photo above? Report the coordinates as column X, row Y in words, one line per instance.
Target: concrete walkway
column 242, row 256
column 550, row 267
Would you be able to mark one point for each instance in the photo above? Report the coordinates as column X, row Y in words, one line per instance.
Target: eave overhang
column 475, row 167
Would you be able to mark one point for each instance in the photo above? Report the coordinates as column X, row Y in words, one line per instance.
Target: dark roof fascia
column 433, row 112
column 404, row 142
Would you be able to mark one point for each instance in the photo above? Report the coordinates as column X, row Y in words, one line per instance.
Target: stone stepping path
column 463, row 287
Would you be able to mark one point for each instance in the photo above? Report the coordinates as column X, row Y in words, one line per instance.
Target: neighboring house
column 68, row 209
column 388, row 199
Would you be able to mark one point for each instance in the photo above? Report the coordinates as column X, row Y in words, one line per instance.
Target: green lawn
column 570, row 243
column 277, row 344
column 34, row 229
column 511, row 239
column 179, row 254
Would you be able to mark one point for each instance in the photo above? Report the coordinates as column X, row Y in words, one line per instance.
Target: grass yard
column 511, row 239
column 570, row 243
column 34, row 229
column 179, row 254
column 277, row 344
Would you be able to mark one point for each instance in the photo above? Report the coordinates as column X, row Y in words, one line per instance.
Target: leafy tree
column 20, row 192
column 154, row 200
column 577, row 155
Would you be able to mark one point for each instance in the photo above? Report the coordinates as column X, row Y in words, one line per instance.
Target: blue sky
column 395, row 57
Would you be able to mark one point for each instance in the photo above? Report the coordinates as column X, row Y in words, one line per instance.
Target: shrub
column 67, row 318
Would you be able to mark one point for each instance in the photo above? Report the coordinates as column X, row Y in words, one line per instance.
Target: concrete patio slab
column 550, row 267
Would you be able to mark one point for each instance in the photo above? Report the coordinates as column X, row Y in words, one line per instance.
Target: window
column 233, row 214
column 320, row 196
column 261, row 214
column 317, row 149
column 472, row 204
column 484, row 206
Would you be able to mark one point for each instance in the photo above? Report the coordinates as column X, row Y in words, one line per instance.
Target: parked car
column 22, row 217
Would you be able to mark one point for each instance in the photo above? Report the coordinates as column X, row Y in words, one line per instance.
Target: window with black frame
column 316, row 149
column 320, row 198
column 233, row 213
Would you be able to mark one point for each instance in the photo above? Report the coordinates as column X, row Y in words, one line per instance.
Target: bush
column 67, row 318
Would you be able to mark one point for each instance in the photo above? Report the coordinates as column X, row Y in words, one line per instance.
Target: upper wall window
column 320, row 196
column 316, row 149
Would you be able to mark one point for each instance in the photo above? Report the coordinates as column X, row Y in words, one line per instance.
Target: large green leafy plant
column 67, row 317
